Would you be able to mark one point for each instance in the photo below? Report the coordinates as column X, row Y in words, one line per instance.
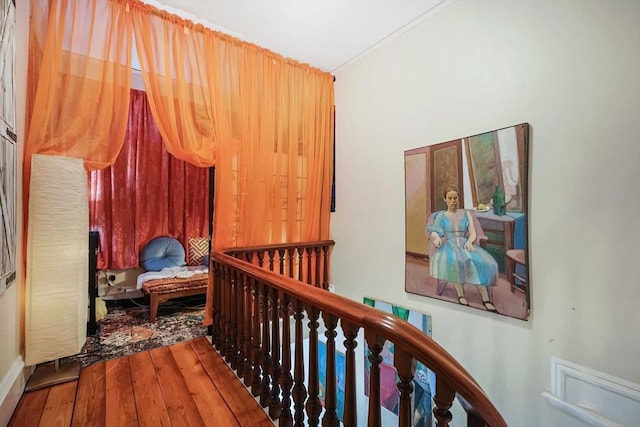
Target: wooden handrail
column 237, row 278
column 307, row 261
column 264, row 248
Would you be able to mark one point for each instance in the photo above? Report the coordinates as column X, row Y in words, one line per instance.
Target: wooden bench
column 162, row 290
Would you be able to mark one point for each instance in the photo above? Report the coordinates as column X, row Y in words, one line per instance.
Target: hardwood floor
column 186, row 384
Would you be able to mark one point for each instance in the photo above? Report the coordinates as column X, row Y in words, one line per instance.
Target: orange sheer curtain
column 78, row 83
column 81, row 70
column 265, row 121
column 173, row 63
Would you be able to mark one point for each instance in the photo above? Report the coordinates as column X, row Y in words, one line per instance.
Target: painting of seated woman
column 466, row 211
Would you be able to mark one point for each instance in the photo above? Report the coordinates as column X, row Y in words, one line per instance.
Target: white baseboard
column 11, row 389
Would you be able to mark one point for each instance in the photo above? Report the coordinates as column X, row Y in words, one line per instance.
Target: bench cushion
column 175, row 284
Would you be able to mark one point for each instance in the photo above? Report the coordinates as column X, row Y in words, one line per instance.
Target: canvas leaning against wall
column 423, row 381
column 466, row 208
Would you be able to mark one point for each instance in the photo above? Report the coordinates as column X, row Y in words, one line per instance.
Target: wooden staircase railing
column 257, row 296
column 308, row 262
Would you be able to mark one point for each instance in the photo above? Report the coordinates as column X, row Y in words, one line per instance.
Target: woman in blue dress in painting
column 456, row 258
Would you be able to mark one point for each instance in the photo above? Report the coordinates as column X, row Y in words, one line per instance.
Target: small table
column 513, row 257
column 501, row 224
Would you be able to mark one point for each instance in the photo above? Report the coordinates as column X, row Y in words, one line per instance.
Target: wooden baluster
column 247, row 364
column 316, row 255
column 299, row 389
column 350, row 416
column 233, row 321
column 443, row 401
column 405, row 366
column 258, row 305
column 238, row 356
column 249, row 257
column 217, row 284
column 375, row 344
column 291, row 253
column 252, row 363
column 265, row 392
column 229, row 311
column 325, row 264
column 309, row 269
column 313, row 405
column 281, row 253
column 274, row 404
column 286, row 379
column 300, row 264
column 330, row 418
column 225, row 312
column 272, row 253
column 260, row 259
column 474, row 419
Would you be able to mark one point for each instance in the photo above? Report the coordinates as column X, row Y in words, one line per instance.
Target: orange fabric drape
column 82, row 77
column 266, row 122
column 78, row 83
column 173, row 63
column 146, row 193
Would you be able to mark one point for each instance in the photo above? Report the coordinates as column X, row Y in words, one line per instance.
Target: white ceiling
column 323, row 33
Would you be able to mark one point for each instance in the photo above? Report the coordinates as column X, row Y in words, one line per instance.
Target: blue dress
column 452, row 262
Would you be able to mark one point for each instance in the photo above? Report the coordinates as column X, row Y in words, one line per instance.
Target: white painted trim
column 10, row 378
column 578, row 412
column 419, row 20
column 562, row 370
column 9, row 393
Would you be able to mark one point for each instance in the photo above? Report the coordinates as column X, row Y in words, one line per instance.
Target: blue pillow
column 162, row 252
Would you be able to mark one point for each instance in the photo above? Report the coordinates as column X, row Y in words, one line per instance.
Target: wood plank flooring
column 186, row 384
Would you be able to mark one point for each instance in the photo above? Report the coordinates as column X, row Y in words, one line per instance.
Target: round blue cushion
column 162, row 252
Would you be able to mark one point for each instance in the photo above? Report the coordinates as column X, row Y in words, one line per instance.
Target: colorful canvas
column 340, row 379
column 466, row 221
column 424, row 379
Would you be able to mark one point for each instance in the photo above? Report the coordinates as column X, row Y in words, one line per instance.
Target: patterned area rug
column 126, row 329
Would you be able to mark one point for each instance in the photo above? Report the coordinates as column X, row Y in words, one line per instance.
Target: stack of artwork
column 424, row 379
column 423, row 383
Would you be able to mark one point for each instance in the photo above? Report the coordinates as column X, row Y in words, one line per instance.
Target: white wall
column 572, row 70
column 12, row 376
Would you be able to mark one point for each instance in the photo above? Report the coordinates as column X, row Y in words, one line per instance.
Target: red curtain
column 146, row 193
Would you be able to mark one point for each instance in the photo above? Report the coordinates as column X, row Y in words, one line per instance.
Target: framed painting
column 424, row 379
column 466, row 216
